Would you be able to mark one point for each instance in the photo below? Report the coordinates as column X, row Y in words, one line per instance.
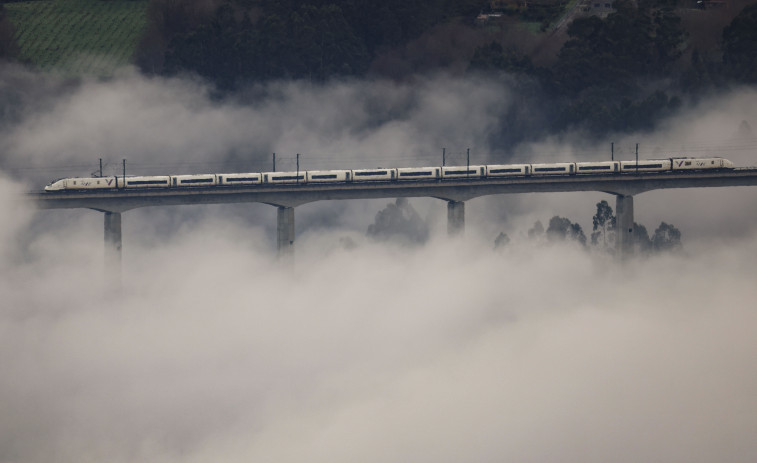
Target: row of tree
column 317, row 39
column 623, row 72
column 399, row 222
column 604, row 233
column 606, row 77
column 242, row 41
column 666, row 237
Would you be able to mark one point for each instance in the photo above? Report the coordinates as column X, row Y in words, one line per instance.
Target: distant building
column 502, row 5
column 486, row 17
column 599, row 8
column 711, row 4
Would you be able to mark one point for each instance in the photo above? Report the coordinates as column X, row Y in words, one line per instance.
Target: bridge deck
column 450, row 190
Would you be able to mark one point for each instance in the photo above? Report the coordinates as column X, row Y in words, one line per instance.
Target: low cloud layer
column 379, row 353
column 363, row 350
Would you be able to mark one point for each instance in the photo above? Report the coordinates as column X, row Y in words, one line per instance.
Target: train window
column 376, row 172
column 688, row 163
column 462, row 172
column 74, row 182
column 148, row 182
column 414, row 174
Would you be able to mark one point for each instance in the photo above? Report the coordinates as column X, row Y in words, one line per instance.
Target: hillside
column 601, row 67
column 77, row 37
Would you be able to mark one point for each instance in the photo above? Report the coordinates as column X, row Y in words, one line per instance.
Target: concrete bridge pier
column 455, row 218
column 113, row 246
column 285, row 232
column 624, row 224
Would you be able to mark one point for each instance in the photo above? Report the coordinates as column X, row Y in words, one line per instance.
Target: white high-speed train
column 389, row 175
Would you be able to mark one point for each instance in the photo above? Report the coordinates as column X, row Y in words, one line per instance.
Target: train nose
column 56, row 185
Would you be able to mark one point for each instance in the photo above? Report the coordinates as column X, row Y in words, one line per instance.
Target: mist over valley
column 371, row 346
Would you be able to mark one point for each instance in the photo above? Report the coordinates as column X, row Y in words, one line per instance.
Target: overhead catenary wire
column 255, row 162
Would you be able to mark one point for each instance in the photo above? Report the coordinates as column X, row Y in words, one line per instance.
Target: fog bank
column 382, row 353
column 364, row 350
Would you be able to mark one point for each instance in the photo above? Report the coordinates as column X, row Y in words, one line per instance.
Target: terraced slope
column 76, row 37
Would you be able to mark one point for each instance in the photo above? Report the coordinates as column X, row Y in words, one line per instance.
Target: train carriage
column 197, row 180
column 649, row 165
column 284, row 177
column 329, row 176
column 600, row 167
column 464, row 172
column 372, row 175
column 419, row 173
column 82, row 183
column 239, row 179
column 508, row 170
column 147, row 181
column 700, row 163
column 557, row 168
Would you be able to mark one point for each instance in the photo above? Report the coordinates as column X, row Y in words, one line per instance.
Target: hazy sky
column 370, row 351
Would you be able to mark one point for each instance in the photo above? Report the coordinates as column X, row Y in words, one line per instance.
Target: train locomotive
column 390, row 175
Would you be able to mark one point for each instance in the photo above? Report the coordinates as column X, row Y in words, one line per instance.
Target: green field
column 78, row 37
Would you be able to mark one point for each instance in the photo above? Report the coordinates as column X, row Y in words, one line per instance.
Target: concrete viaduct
column 455, row 192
